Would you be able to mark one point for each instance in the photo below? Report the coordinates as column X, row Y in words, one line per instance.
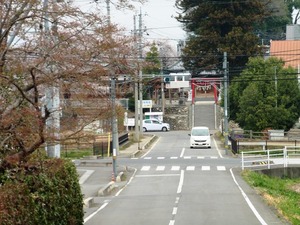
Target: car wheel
column 164, row 129
column 144, row 129
column 191, row 147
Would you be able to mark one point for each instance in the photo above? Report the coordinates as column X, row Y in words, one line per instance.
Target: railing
column 271, row 158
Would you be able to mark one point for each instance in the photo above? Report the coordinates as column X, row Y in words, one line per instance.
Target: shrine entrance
column 205, row 87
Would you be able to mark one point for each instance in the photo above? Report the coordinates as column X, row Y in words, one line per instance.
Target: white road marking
column 85, row 176
column 214, row 157
column 200, row 157
column 174, row 157
column 160, row 168
column 205, row 168
column 221, row 168
column 145, row 168
column 174, row 211
column 190, row 168
column 175, row 168
column 179, row 189
column 94, row 213
column 160, row 157
column 217, row 148
column 258, row 216
column 187, row 157
column 148, row 158
column 182, row 153
column 152, row 146
column 172, row 222
column 158, row 175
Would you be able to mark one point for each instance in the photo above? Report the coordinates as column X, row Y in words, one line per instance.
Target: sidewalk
column 96, row 174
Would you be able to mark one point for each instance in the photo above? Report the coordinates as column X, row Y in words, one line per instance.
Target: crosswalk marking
column 176, row 157
column 200, row 157
column 175, row 168
column 205, row 168
column 160, row 168
column 145, row 168
column 221, row 168
column 190, row 168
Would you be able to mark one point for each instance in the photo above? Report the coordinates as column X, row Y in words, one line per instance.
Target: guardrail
column 271, row 158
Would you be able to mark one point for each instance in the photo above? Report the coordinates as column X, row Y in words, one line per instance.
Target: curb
column 111, row 186
column 145, row 146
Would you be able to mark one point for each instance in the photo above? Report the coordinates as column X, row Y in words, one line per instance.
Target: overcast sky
column 158, row 19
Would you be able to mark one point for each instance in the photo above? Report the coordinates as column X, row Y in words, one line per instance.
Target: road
column 174, row 184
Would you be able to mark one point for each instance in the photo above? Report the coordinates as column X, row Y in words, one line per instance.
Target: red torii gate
column 204, row 82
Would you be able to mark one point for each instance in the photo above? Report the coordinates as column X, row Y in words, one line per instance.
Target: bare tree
column 61, row 47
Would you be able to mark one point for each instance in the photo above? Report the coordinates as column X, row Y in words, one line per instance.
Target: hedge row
column 41, row 192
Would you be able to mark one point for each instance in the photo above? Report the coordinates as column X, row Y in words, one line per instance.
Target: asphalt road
column 173, row 184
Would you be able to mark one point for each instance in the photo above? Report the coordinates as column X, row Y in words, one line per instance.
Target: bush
column 42, row 192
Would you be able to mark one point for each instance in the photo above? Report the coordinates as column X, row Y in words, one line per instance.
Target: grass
column 76, row 154
column 282, row 194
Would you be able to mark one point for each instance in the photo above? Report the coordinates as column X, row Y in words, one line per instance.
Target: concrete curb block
column 88, row 202
column 145, row 146
column 106, row 189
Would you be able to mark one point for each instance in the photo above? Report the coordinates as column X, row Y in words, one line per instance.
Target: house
column 288, row 51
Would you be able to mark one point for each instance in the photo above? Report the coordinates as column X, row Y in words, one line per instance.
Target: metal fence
column 271, row 158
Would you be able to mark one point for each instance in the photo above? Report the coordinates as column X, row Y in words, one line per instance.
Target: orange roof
column 288, row 51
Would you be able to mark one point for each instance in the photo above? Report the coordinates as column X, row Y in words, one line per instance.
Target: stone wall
column 178, row 116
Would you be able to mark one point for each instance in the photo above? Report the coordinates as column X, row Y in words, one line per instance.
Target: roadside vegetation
column 280, row 193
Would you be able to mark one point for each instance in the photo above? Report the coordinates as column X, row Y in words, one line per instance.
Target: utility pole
column 114, row 120
column 52, row 101
column 136, row 92
column 141, row 73
column 162, row 87
column 225, row 67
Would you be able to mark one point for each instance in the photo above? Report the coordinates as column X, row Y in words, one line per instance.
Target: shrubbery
column 41, row 192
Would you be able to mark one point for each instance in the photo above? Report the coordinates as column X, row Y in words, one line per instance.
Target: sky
column 158, row 18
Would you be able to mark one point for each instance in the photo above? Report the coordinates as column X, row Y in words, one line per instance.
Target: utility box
column 154, row 115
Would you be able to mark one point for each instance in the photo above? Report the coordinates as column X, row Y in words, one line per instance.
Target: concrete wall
column 288, row 172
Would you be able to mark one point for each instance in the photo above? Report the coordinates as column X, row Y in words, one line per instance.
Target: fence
column 101, row 144
column 271, row 158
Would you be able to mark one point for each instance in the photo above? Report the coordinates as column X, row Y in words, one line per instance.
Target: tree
column 216, row 27
column 46, row 49
column 294, row 6
column 152, row 63
column 265, row 95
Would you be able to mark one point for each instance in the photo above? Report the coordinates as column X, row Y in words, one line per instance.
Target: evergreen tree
column 152, row 61
column 215, row 27
column 266, row 95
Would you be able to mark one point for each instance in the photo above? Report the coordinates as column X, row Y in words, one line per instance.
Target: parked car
column 155, row 125
column 200, row 137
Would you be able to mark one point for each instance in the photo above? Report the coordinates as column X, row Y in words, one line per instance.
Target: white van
column 200, row 137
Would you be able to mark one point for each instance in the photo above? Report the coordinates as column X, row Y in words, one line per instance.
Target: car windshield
column 200, row 132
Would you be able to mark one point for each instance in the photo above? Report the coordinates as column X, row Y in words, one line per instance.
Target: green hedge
column 41, row 192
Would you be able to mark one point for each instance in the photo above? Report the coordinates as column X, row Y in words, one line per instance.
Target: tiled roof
column 288, row 51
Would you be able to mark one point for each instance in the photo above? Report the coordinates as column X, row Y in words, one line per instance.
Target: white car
column 200, row 137
column 155, row 125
